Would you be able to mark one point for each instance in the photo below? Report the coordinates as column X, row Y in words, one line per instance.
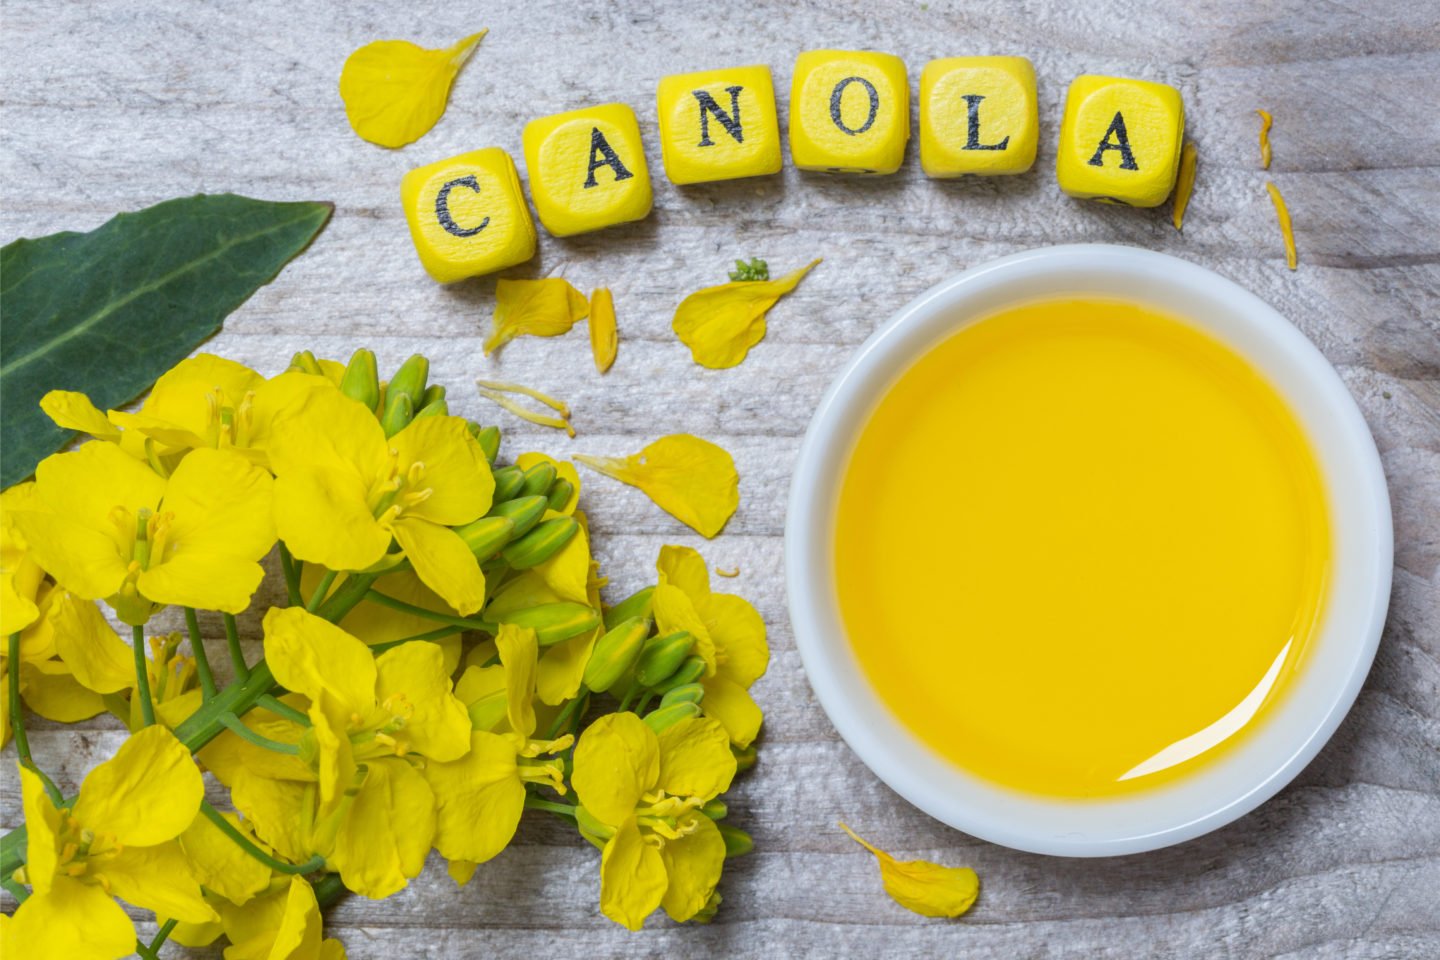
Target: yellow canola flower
column 343, row 491
column 691, row 479
column 641, row 795
column 107, row 526
column 20, row 575
column 481, row 795
column 365, row 806
column 395, row 91
column 720, row 324
column 926, row 888
column 729, row 636
column 119, row 840
column 286, row 925
column 536, row 308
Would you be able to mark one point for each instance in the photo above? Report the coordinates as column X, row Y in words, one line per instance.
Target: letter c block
column 587, row 169
column 1120, row 140
column 719, row 125
column 467, row 215
column 978, row 115
column 849, row 112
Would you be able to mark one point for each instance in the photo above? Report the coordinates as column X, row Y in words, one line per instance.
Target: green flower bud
column 666, row 717
column 689, row 693
column 524, row 512
column 487, row 536
column 635, row 605
column 361, row 381
column 553, row 622
column 540, row 544
column 488, row 438
column 691, row 669
column 433, row 403
column 398, row 414
column 614, row 653
column 662, row 657
column 715, row 809
column 737, row 842
column 305, row 362
column 538, row 479
column 560, row 492
column 744, row 757
column 509, row 481
column 409, row 381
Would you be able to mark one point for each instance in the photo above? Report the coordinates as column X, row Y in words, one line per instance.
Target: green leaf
column 107, row 312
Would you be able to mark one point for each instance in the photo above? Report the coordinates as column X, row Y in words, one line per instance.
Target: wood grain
column 110, row 107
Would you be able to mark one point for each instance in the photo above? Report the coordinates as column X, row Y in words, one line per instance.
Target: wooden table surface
column 109, row 107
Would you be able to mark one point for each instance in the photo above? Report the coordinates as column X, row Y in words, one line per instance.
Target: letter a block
column 587, row 169
column 467, row 215
column 1120, row 140
column 978, row 115
column 719, row 125
column 849, row 112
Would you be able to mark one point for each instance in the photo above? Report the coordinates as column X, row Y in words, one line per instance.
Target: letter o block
column 467, row 215
column 978, row 115
column 1120, row 140
column 587, row 169
column 849, row 112
column 719, row 125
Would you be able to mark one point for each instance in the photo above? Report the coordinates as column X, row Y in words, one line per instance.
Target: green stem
column 291, row 570
column 202, row 659
column 563, row 809
column 629, row 697
column 244, row 843
column 328, row 889
column 14, row 889
column 162, row 936
column 351, row 592
column 439, row 634
column 564, row 717
column 321, row 589
column 237, row 656
column 236, row 726
column 142, row 676
column 467, row 624
column 283, row 709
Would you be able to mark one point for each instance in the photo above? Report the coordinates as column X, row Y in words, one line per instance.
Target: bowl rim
column 1320, row 697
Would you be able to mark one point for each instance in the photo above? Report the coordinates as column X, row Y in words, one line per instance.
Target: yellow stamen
column 1265, row 121
column 1282, row 213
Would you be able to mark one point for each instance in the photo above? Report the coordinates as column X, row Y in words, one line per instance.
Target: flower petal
column 394, row 91
column 675, row 611
column 693, row 863
column 567, row 572
column 321, row 514
column 695, row 759
column 89, row 646
column 454, row 469
column 632, row 877
column 443, row 562
column 199, row 578
column 83, row 560
column 518, row 647
column 926, row 888
column 437, row 726
column 720, row 324
column 85, row 485
column 274, row 809
column 74, row 411
column 48, row 688
column 158, row 878
column 732, row 705
column 220, row 865
column 74, row 921
column 739, row 636
column 308, row 655
column 42, row 844
column 221, row 504
column 149, row 792
column 384, row 839
column 691, row 479
column 562, row 667
column 616, row 761
column 479, row 799
column 537, row 308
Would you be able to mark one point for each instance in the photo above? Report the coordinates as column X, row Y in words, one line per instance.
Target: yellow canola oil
column 1081, row 548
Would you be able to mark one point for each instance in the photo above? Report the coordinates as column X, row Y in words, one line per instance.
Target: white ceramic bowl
column 1292, row 735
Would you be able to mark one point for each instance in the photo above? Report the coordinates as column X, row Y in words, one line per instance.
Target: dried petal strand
column 1282, row 213
column 604, row 341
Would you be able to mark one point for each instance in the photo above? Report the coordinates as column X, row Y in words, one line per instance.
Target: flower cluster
column 440, row 662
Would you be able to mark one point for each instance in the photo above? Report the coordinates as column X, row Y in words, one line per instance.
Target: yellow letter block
column 849, row 112
column 719, row 125
column 1120, row 140
column 978, row 115
column 467, row 215
column 587, row 169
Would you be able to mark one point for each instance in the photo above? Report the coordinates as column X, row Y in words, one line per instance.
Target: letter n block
column 849, row 112
column 978, row 115
column 467, row 215
column 719, row 125
column 587, row 169
column 1120, row 140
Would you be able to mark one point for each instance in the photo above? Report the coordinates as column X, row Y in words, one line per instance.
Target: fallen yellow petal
column 691, row 479
column 604, row 341
column 923, row 887
column 721, row 324
column 394, row 91
column 1282, row 213
column 535, row 308
column 1184, row 183
column 1265, row 121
